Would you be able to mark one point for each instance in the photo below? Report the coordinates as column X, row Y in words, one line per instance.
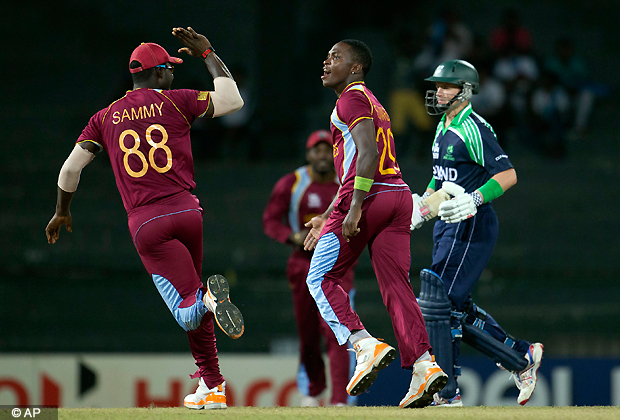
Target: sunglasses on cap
column 167, row 66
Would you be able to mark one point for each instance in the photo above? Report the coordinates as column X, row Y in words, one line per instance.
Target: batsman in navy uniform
column 470, row 165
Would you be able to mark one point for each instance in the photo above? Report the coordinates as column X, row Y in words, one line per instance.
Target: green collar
column 458, row 119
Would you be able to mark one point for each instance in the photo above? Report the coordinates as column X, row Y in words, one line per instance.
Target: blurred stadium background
column 553, row 276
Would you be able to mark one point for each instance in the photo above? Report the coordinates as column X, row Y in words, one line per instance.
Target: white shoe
column 427, row 379
column 217, row 300
column 308, row 401
column 526, row 379
column 447, row 402
column 372, row 355
column 206, row 398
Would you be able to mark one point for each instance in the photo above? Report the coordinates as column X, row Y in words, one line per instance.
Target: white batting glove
column 416, row 217
column 459, row 208
column 452, row 188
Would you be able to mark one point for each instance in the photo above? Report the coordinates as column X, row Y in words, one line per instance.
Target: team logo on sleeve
column 448, row 156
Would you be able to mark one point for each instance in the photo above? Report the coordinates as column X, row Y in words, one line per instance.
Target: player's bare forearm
column 63, row 202
column 329, row 210
column 62, row 216
column 506, row 179
column 195, row 45
column 216, row 66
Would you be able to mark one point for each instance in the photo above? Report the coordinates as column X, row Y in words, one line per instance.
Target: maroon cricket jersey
column 296, row 199
column 355, row 104
column 146, row 135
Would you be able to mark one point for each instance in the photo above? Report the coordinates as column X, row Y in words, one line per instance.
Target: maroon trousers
column 168, row 237
column 311, row 327
column 384, row 227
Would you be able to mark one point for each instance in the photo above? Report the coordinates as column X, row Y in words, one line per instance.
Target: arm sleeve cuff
column 491, row 190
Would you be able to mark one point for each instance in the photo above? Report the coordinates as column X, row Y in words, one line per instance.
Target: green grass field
column 374, row 413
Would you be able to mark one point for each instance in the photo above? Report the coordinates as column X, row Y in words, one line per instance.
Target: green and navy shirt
column 467, row 152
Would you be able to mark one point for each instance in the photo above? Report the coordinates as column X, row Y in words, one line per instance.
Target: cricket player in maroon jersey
column 374, row 207
column 146, row 134
column 296, row 198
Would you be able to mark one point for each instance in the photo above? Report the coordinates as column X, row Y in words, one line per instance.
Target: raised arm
column 225, row 99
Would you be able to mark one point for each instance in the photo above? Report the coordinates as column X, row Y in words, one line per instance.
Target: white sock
column 358, row 335
column 426, row 357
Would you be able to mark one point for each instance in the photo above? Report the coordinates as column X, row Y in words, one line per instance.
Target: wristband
column 207, row 51
column 362, row 183
column 491, row 190
column 431, row 185
column 477, row 197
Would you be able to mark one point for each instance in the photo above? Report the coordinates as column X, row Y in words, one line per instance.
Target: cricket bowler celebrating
column 373, row 207
column 146, row 134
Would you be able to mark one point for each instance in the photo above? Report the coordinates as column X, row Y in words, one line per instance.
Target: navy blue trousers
column 460, row 254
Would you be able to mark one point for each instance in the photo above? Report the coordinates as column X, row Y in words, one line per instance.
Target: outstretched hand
column 52, row 231
column 195, row 44
column 316, row 225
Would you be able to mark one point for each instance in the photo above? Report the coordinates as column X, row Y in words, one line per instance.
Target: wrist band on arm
column 491, row 190
column 207, row 51
column 431, row 185
column 362, row 183
column 477, row 197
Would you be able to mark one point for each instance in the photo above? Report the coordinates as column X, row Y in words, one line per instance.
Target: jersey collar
column 460, row 117
column 350, row 85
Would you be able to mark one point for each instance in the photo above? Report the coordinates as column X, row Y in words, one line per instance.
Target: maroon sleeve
column 277, row 208
column 353, row 107
column 92, row 132
column 191, row 103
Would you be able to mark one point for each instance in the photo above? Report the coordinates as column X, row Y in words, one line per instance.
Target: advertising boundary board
column 139, row 380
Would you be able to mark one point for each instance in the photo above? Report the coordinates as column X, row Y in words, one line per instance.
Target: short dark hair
column 361, row 53
column 141, row 76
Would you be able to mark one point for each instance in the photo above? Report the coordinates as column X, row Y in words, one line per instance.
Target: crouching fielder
column 469, row 164
column 146, row 135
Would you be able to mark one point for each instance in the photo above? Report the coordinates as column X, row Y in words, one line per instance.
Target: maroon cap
column 150, row 55
column 317, row 137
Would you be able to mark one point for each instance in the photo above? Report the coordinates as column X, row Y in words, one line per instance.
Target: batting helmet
column 457, row 72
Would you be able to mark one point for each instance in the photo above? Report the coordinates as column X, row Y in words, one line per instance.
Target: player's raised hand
column 316, row 225
column 195, row 44
column 52, row 231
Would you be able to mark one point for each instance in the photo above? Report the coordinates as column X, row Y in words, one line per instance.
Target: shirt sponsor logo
column 501, row 157
column 436, row 151
column 445, row 174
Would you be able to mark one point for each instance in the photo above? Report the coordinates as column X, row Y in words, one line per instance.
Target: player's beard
column 323, row 167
